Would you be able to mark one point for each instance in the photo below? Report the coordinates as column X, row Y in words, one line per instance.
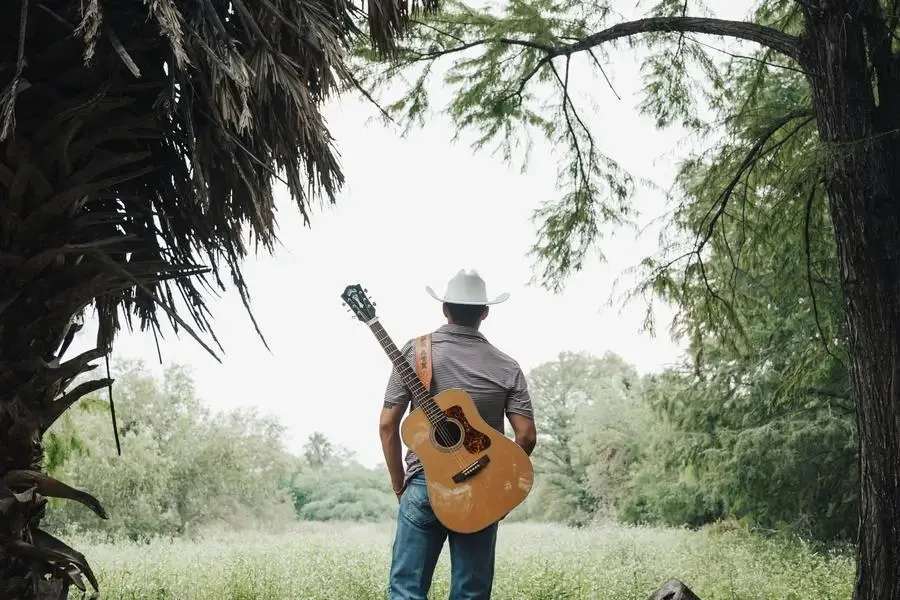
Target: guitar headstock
column 355, row 298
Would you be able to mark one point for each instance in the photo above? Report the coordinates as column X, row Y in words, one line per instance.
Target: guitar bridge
column 472, row 469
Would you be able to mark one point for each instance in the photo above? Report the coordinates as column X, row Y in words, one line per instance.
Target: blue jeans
column 418, row 544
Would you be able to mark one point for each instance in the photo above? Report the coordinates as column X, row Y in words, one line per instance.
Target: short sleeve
column 518, row 401
column 397, row 394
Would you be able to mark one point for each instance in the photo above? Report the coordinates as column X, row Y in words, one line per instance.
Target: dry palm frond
column 139, row 143
column 175, row 118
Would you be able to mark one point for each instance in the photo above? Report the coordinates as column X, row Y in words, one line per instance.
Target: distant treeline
column 184, row 468
column 684, row 449
column 612, row 445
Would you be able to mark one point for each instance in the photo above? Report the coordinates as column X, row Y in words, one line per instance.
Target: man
column 461, row 358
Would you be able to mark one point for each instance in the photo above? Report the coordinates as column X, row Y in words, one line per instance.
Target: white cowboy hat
column 467, row 287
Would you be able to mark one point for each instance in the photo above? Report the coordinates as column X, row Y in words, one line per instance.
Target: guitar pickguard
column 473, row 440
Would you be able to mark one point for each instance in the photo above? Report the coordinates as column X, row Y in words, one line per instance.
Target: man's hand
column 389, row 427
column 398, row 489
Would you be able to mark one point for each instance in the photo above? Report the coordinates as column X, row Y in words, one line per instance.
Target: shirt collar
column 454, row 329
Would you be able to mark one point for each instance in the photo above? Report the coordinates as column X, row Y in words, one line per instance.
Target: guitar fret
column 355, row 297
column 410, row 379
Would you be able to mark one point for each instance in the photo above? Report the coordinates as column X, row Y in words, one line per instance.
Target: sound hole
column 447, row 433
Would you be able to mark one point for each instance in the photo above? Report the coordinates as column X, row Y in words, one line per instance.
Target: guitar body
column 474, row 474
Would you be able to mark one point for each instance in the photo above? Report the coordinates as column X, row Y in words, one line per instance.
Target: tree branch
column 771, row 38
column 807, row 247
column 762, row 61
column 779, row 41
column 757, row 151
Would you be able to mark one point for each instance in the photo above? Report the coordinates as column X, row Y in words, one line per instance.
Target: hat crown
column 467, row 287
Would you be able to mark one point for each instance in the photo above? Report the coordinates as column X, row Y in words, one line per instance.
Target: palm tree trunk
column 31, row 379
column 44, row 283
column 23, row 500
column 19, row 449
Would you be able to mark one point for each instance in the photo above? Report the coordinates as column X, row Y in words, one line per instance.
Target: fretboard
column 423, row 398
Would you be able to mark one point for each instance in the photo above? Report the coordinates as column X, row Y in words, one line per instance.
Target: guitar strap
column 423, row 360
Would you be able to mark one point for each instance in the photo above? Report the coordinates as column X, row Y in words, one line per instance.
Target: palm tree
column 318, row 450
column 139, row 142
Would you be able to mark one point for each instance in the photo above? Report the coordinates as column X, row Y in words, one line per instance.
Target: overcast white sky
column 326, row 372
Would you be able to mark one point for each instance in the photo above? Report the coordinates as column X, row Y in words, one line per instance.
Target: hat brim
column 501, row 298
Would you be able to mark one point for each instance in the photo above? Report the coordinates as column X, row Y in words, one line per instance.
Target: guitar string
column 434, row 413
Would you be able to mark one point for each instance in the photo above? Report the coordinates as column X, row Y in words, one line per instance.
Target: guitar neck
column 409, row 377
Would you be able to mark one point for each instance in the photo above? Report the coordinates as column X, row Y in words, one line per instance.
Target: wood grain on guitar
column 474, row 474
column 492, row 492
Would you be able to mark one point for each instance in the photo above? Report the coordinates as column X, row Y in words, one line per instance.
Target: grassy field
column 534, row 562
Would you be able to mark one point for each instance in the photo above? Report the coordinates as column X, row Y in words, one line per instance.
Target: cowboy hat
column 467, row 287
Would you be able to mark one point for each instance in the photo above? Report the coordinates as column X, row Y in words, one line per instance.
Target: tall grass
column 534, row 562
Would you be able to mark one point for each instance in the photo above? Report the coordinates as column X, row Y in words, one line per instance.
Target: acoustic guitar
column 474, row 474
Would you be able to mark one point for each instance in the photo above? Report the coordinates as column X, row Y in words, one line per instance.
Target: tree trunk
column 37, row 305
column 20, row 448
column 47, row 277
column 33, row 339
column 857, row 128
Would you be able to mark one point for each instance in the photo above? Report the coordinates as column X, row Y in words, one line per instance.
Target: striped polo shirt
column 463, row 358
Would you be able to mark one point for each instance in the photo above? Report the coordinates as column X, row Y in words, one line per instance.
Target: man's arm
column 520, row 413
column 389, row 429
column 525, row 431
column 396, row 398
